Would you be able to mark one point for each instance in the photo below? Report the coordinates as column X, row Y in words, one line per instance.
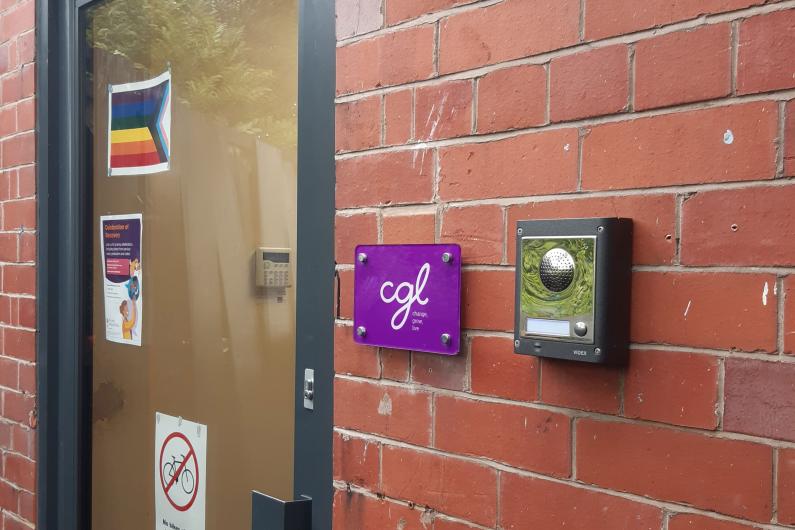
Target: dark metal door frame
column 64, row 390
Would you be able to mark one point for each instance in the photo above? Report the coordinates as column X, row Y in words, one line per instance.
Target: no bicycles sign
column 180, row 473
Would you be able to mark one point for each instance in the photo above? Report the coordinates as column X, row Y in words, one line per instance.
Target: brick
column 345, row 307
column 5, row 183
column 497, row 371
column 766, row 48
column 18, row 20
column 18, row 407
column 27, row 312
column 606, row 18
column 760, row 399
column 391, row 59
column 789, row 140
column 672, row 387
column 398, row 108
column 789, row 314
column 478, row 229
column 19, row 214
column 357, row 17
column 27, row 47
column 683, row 148
column 27, row 247
column 704, row 310
column 505, row 31
column 20, row 149
column 27, row 378
column 20, row 344
column 27, row 181
column 8, row 120
column 20, row 471
column 786, row 486
column 358, row 124
column 483, row 300
column 532, row 439
column 6, row 58
column 589, row 83
column 653, row 221
column 448, row 485
column 10, row 522
column 395, row 364
column 19, row 279
column 683, row 67
column 357, row 461
column 386, row 178
column 23, row 440
column 353, row 358
column 690, row 521
column 725, row 476
column 581, row 386
column 27, row 506
column 403, row 229
column 401, row 10
column 531, row 164
column 529, row 502
column 9, row 373
column 352, row 230
column 445, row 524
column 750, row 226
column 5, row 310
column 354, row 510
column 13, row 55
column 28, row 80
column 512, row 98
column 389, row 411
column 443, row 111
column 8, row 247
column 26, row 115
column 11, row 87
column 440, row 371
column 9, row 497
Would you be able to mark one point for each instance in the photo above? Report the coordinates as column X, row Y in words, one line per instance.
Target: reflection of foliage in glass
column 577, row 298
column 232, row 59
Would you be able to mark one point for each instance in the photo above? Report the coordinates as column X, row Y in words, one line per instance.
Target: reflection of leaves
column 210, row 46
column 577, row 298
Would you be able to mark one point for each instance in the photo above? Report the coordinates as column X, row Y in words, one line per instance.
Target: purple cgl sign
column 408, row 297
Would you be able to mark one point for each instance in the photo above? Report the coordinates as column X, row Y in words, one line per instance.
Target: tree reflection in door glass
column 215, row 348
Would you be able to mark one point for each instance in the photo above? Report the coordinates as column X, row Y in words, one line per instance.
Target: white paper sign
column 121, row 238
column 180, row 473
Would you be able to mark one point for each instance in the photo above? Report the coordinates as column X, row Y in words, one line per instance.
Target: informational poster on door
column 139, row 126
column 120, row 240
column 180, row 473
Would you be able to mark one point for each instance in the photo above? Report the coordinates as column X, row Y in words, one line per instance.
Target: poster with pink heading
column 120, row 240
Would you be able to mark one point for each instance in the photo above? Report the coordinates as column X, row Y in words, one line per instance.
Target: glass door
column 189, row 150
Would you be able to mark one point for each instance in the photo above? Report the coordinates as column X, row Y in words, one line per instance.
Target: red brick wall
column 456, row 118
column 17, row 265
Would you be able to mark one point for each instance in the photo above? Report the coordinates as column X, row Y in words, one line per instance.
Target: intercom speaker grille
column 557, row 270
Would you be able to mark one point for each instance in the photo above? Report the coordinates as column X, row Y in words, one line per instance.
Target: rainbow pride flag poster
column 139, row 126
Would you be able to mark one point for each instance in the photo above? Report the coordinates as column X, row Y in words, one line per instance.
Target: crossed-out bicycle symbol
column 184, row 478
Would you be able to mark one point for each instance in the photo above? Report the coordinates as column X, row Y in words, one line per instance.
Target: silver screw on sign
column 362, row 257
column 361, row 331
column 446, row 338
column 447, row 257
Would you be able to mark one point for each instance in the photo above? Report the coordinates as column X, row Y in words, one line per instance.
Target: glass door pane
column 214, row 182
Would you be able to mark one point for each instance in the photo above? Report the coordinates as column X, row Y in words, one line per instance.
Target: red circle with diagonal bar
column 177, row 469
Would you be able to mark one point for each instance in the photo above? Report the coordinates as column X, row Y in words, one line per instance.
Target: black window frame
column 63, row 372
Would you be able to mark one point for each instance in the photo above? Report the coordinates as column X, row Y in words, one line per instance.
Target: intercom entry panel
column 272, row 267
column 573, row 281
